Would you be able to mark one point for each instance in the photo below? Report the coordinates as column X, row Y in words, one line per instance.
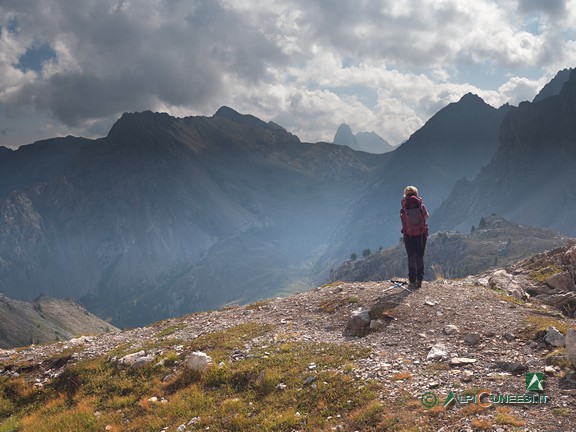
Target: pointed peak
column 344, row 128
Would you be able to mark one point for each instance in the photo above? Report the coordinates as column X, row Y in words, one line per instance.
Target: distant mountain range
column 493, row 242
column 369, row 142
column 166, row 216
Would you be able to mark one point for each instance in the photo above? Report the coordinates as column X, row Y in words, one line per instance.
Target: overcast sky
column 74, row 66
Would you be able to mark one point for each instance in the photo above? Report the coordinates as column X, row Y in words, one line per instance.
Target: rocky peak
column 554, row 87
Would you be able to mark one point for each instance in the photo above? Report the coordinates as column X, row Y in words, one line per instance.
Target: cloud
column 132, row 56
column 381, row 65
column 552, row 8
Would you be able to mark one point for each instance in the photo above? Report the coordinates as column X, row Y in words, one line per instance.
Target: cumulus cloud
column 382, row 65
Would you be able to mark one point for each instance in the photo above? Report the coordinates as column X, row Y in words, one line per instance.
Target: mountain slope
column 286, row 364
column 495, row 242
column 45, row 320
column 167, row 216
column 530, row 179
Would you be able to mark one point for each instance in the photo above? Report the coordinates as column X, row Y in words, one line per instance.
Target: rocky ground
column 450, row 335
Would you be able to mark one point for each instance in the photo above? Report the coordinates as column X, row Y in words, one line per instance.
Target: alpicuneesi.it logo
column 486, row 398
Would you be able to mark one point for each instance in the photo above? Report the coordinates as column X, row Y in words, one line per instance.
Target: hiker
column 413, row 215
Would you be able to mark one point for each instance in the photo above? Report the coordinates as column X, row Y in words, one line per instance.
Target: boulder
column 561, row 281
column 141, row 361
column 359, row 323
column 554, row 337
column 437, row 352
column 130, row 359
column 568, row 381
column 503, row 280
column 198, row 361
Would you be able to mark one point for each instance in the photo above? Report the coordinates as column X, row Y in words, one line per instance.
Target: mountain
column 493, row 242
column 167, row 216
column 45, row 320
column 455, row 143
column 288, row 364
column 369, row 142
column 36, row 162
column 554, row 86
column 530, row 179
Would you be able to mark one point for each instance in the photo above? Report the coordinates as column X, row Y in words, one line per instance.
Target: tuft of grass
column 561, row 412
column 544, row 273
column 504, row 417
column 481, row 424
column 402, row 376
column 537, row 324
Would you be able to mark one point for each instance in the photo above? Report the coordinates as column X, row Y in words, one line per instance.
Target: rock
column 198, row 361
column 359, row 323
column 451, row 329
column 472, row 338
column 550, row 370
column 570, row 256
column 377, row 325
column 554, row 337
column 141, row 361
column 181, row 428
column 130, row 359
column 460, row 361
column 281, row 386
column 509, row 337
column 570, row 343
column 437, row 352
column 503, row 280
column 512, row 367
column 561, row 282
column 568, row 381
column 467, row 376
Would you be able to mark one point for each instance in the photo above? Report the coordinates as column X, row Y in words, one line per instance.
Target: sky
column 72, row 67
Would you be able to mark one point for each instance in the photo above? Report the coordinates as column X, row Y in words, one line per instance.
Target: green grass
column 234, row 395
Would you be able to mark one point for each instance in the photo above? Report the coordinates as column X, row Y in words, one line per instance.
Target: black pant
column 415, row 247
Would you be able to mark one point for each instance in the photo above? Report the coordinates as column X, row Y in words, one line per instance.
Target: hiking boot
column 419, row 284
column 412, row 285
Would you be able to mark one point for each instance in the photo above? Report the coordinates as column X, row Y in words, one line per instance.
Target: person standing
column 413, row 215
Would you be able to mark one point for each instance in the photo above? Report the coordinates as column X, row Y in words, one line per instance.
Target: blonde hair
column 411, row 191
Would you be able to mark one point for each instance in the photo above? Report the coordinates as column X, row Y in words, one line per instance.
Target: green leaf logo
column 535, row 381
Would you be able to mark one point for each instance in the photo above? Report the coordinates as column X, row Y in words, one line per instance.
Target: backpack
column 412, row 216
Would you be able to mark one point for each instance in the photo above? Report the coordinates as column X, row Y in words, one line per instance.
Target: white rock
column 198, row 361
column 437, row 352
column 458, row 361
column 130, row 359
